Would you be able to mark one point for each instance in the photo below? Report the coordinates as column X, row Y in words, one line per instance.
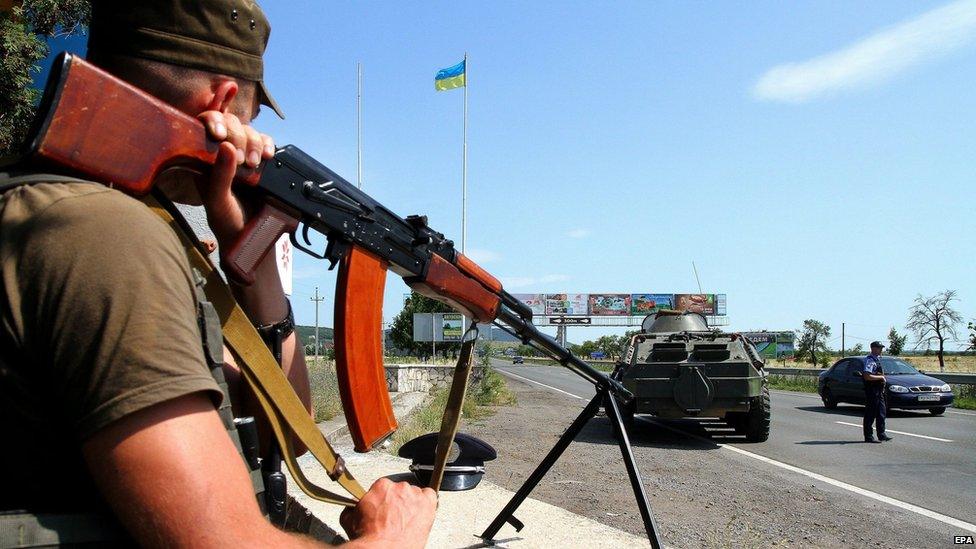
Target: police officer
column 874, row 394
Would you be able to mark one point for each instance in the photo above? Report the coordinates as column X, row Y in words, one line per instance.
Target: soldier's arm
column 173, row 477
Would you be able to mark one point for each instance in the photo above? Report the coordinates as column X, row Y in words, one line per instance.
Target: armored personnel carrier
column 679, row 367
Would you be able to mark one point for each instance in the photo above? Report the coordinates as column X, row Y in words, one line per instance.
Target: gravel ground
column 701, row 495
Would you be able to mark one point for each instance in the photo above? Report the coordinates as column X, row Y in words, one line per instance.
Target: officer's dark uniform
column 875, row 408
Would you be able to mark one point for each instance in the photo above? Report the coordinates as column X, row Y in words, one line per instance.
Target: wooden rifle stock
column 445, row 282
column 115, row 133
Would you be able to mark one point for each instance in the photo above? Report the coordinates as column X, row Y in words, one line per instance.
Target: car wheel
column 757, row 422
column 937, row 411
column 829, row 401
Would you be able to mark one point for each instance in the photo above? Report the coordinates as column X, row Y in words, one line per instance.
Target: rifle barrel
column 529, row 333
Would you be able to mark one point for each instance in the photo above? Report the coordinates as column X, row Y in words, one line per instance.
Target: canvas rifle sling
column 285, row 412
column 452, row 411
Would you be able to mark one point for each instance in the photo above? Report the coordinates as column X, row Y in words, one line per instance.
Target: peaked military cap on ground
column 222, row 36
column 466, row 462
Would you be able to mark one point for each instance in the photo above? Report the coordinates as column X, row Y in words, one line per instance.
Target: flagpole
column 359, row 122
column 464, row 174
column 464, row 159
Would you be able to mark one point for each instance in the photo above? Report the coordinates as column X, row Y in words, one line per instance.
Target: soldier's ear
column 224, row 91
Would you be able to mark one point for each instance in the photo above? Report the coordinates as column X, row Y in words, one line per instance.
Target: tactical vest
column 22, row 529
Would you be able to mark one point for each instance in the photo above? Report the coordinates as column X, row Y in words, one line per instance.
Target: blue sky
column 813, row 158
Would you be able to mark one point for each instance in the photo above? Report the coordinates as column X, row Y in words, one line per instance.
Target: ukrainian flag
column 450, row 78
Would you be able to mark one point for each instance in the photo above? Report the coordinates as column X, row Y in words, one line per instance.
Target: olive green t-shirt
column 97, row 321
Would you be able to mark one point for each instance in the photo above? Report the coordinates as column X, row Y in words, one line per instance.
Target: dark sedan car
column 906, row 388
column 518, row 360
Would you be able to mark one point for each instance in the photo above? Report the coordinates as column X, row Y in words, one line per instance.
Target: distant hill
column 307, row 333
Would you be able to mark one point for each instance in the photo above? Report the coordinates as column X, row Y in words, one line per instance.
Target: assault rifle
column 96, row 125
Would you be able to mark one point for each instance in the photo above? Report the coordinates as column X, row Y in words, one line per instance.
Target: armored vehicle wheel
column 829, row 401
column 757, row 421
column 937, row 411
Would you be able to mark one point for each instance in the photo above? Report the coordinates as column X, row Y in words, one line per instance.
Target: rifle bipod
column 613, row 413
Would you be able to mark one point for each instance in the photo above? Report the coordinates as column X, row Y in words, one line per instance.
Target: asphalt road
column 931, row 463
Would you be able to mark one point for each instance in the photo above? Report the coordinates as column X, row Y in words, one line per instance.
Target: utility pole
column 317, row 300
column 842, row 346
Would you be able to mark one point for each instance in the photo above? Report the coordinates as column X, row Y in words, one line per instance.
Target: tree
column 610, row 346
column 22, row 46
column 401, row 331
column 813, row 342
column 933, row 320
column 896, row 343
column 856, row 350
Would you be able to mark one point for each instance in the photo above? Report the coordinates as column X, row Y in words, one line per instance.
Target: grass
column 325, row 388
column 490, row 391
column 965, row 397
column 802, row 384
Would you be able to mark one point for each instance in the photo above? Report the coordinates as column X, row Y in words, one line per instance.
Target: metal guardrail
column 948, row 377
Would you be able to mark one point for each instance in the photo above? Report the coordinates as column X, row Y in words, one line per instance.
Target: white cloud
column 513, row 282
column 578, row 233
column 872, row 59
column 482, row 256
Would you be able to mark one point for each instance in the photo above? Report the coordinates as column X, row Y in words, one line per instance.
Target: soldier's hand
column 252, row 146
column 391, row 515
column 239, row 144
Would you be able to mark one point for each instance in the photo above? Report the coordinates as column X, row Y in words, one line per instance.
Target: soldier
column 874, row 394
column 107, row 405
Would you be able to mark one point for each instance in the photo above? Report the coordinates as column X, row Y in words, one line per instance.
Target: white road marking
column 899, row 432
column 954, row 522
column 542, row 384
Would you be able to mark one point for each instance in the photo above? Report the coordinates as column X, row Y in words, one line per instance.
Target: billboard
column 609, row 304
column 452, row 326
column 648, row 304
column 597, row 305
column 536, row 302
column 696, row 303
column 566, row 304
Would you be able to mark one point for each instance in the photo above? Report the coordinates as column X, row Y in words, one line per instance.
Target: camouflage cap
column 222, row 36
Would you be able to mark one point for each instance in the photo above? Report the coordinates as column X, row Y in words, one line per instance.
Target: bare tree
column 932, row 319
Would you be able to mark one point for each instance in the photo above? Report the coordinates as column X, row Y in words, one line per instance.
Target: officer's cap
column 221, row 36
column 877, row 344
column 466, row 463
